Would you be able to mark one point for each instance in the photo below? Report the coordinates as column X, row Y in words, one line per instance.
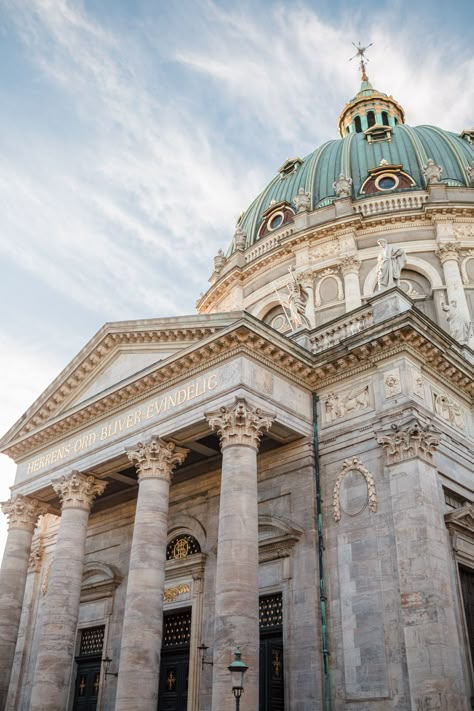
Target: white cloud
column 25, row 371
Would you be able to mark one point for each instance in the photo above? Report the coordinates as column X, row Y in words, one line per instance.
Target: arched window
column 385, row 118
column 182, row 546
column 357, row 124
column 371, row 118
column 395, row 120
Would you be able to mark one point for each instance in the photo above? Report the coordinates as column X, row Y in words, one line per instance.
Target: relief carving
column 418, row 385
column 329, row 274
column 170, row 594
column 349, row 466
column 36, row 557
column 449, row 410
column 392, row 383
column 340, row 405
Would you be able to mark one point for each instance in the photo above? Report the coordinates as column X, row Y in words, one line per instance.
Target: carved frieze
column 449, row 410
column 464, row 231
column 339, row 405
column 392, row 383
column 156, row 459
column 354, row 469
column 23, row 512
column 411, row 439
column 78, row 491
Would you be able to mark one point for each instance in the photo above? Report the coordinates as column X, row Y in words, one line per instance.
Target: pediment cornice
column 242, row 334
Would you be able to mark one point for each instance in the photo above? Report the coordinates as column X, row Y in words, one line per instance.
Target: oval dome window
column 276, row 221
column 386, row 182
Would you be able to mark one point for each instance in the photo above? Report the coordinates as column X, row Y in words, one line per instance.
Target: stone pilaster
column 448, row 254
column 142, row 629
column 428, row 624
column 23, row 513
column 52, row 678
column 240, row 428
column 350, row 266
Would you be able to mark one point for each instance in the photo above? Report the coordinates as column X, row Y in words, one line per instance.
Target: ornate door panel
column 467, row 586
column 174, row 665
column 271, row 694
column 87, row 685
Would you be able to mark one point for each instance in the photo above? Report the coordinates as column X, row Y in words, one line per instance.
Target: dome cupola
column 369, row 108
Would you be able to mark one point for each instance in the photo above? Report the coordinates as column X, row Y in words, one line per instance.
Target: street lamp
column 237, row 671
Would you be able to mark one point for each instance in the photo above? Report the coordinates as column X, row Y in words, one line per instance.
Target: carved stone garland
column 240, row 424
column 156, row 458
column 411, row 439
column 347, row 466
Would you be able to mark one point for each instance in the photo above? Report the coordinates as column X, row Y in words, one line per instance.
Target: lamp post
column 237, row 671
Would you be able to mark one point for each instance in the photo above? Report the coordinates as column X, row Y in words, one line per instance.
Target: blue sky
column 132, row 134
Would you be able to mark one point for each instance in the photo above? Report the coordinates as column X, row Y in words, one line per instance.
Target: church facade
column 289, row 471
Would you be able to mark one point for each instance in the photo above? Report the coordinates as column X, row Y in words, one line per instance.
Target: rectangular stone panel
column 363, row 637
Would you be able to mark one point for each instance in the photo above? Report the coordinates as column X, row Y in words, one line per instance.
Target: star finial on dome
column 363, row 59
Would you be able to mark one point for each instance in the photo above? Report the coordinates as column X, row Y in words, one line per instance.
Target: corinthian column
column 142, row 629
column 61, row 610
column 236, row 608
column 449, row 257
column 23, row 514
column 350, row 266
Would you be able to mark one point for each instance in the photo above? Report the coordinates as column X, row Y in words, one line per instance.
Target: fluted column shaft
column 449, row 257
column 142, row 630
column 236, row 605
column 350, row 270
column 52, row 678
column 23, row 514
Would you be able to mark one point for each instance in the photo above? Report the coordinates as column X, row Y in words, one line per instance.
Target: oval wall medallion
column 354, row 490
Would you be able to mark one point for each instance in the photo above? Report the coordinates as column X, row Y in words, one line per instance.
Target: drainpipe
column 322, row 594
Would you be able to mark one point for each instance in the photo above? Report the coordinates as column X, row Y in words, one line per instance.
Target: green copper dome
column 354, row 156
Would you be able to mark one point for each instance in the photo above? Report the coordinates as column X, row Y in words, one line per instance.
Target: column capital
column 78, row 491
column 447, row 251
column 23, row 512
column 408, row 440
column 350, row 264
column 156, row 459
column 240, row 423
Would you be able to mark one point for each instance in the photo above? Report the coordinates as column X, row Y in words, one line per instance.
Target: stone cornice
column 166, row 331
column 334, row 227
column 409, row 332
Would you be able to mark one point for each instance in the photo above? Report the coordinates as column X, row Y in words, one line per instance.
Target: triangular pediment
column 121, row 365
column 119, row 353
column 461, row 519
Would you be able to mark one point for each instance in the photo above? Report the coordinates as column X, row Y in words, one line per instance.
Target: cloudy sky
column 132, row 134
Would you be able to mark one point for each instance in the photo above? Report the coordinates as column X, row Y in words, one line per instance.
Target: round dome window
column 386, row 182
column 275, row 221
